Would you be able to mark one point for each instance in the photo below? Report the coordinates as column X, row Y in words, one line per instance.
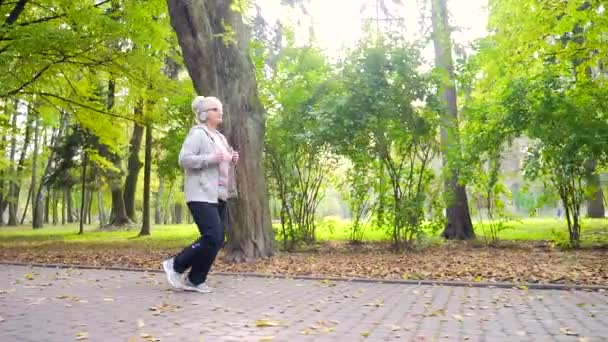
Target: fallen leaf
column 266, row 338
column 365, row 334
column 265, row 323
column 568, row 331
column 437, row 312
column 108, row 299
column 28, row 276
column 458, row 317
column 82, row 335
column 140, row 323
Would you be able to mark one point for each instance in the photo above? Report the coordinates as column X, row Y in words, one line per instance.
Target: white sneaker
column 174, row 278
column 202, row 288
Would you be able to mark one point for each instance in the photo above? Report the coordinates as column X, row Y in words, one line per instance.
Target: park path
column 52, row 304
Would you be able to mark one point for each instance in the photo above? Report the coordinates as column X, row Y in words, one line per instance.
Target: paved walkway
column 47, row 304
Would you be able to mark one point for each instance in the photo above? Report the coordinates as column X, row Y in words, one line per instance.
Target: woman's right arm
column 190, row 156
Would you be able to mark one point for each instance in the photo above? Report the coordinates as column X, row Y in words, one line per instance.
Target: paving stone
column 102, row 305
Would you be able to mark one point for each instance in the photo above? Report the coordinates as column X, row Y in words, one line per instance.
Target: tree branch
column 25, row 84
column 41, row 20
column 46, row 96
column 15, row 13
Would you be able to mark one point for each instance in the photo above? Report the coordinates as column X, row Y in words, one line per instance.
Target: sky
column 337, row 23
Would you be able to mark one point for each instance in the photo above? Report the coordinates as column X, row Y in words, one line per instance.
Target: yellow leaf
column 458, row 317
column 29, row 276
column 365, row 333
column 82, row 335
column 266, row 338
column 523, row 287
column 108, row 299
column 265, row 323
column 132, row 339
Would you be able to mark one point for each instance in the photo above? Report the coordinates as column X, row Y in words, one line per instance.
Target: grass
column 595, row 232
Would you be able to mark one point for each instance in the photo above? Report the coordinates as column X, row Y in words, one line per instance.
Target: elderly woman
column 207, row 160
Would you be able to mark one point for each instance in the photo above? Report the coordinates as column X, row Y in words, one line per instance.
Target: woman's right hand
column 221, row 157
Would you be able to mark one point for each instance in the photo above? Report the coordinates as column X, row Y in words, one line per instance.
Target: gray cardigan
column 201, row 168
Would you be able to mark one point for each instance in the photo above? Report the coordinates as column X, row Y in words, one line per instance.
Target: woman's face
column 215, row 114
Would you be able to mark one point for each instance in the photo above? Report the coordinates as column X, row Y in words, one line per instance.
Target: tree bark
column 145, row 221
column 133, row 165
column 158, row 217
column 219, row 64
column 459, row 225
column 83, row 197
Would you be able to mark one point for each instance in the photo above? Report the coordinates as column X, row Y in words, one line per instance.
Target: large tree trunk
column 145, row 221
column 133, row 164
column 158, row 201
column 220, row 66
column 459, row 225
column 595, row 201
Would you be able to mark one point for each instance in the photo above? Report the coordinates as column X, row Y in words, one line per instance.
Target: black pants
column 210, row 218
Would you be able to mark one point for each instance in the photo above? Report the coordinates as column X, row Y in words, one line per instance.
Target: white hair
column 200, row 106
